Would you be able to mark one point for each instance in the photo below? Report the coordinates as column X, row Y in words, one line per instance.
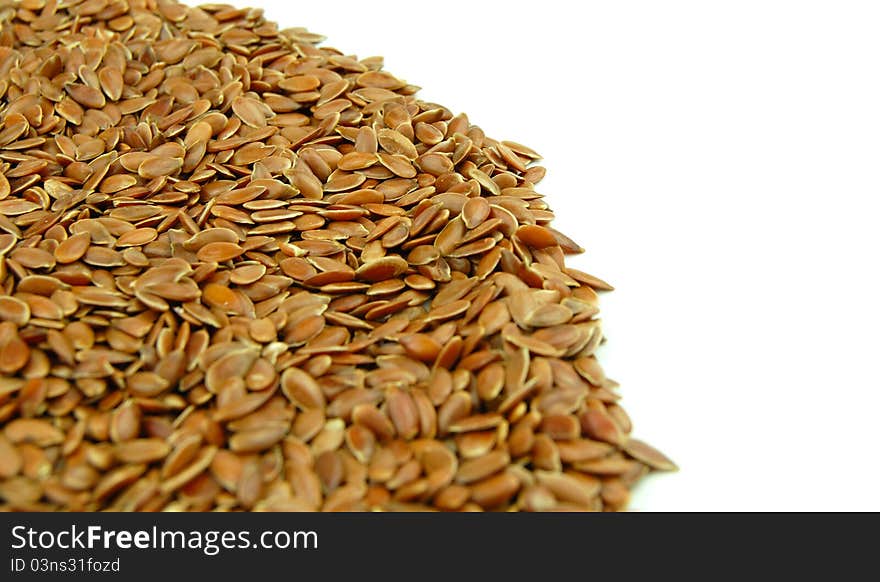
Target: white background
column 719, row 161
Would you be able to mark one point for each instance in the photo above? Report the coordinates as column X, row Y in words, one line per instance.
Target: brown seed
column 435, row 163
column 73, row 248
column 582, row 450
column 490, row 381
column 231, row 366
column 147, row 384
column 14, row 352
column 537, row 498
column 481, row 467
column 496, row 490
column 239, row 271
column 550, row 315
column 536, row 236
column 599, row 425
column 403, row 412
column 221, row 297
column 112, row 82
column 301, row 389
column 219, row 252
column 249, row 111
column 14, row 310
column 32, row 430
column 649, row 455
column 258, row 439
column 615, row 466
column 156, row 167
column 103, row 257
column 10, row 459
column 137, row 237
column 373, row 419
column 452, row 498
column 247, row 274
column 86, row 96
column 474, row 212
column 361, row 442
column 357, row 161
column 561, row 427
column 476, row 422
column 5, row 190
column 545, row 453
column 183, row 452
column 486, row 182
column 201, row 462
column 141, row 450
column 382, row 269
column 398, row 165
column 615, row 493
column 125, row 422
column 395, row 142
column 565, row 487
column 300, row 83
column 33, row 258
column 263, row 330
column 421, row 346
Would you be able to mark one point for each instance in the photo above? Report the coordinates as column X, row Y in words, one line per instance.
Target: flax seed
column 242, row 271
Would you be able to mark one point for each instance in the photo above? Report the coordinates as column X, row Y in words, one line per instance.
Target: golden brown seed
column 112, row 82
column 579, row 490
column 262, row 330
column 301, row 389
column 32, row 430
column 374, row 420
column 125, row 422
column 156, row 167
column 247, row 274
column 537, row 498
column 582, row 450
column 14, row 352
column 249, row 111
column 535, row 236
column 147, row 384
column 561, row 427
column 137, row 237
column 495, row 491
column 421, row 346
column 241, row 272
column 382, row 269
column 474, row 212
column 403, row 412
column 490, row 381
column 33, row 258
column 10, row 459
column 300, row 83
column 600, row 426
column 481, row 467
column 73, row 248
column 357, row 161
column 258, row 439
column 360, row 442
column 545, row 453
column 221, row 297
column 141, row 450
column 649, row 455
column 452, row 498
column 219, row 252
column 14, row 310
column 87, row 96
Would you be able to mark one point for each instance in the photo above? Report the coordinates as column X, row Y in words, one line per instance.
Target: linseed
column 239, row 271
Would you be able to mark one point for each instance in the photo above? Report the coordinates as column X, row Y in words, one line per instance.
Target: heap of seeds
column 239, row 271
